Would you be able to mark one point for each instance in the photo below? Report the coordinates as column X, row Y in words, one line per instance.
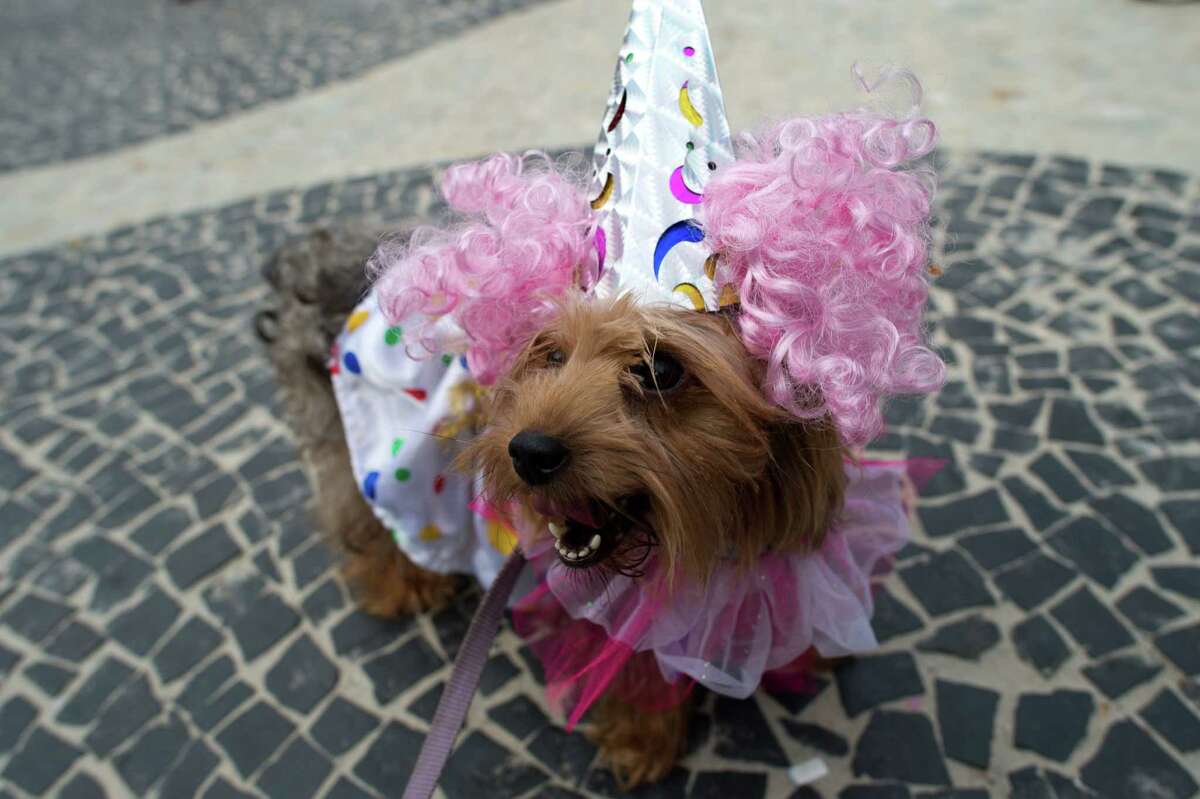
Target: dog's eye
column 556, row 358
column 661, row 373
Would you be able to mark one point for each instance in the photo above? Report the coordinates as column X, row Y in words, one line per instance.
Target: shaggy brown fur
column 318, row 280
column 703, row 471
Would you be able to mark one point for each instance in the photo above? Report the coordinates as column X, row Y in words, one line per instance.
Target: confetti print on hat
column 418, row 394
column 439, row 484
column 351, row 362
column 403, row 475
column 356, row 319
column 430, row 532
column 392, row 336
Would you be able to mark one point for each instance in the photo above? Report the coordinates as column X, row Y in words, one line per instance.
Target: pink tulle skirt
column 649, row 642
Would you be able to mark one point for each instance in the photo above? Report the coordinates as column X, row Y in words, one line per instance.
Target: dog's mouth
column 589, row 531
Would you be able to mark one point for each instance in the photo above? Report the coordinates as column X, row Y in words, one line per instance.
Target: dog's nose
column 537, row 457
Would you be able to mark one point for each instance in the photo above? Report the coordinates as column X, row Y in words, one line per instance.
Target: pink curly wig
column 825, row 238
column 523, row 243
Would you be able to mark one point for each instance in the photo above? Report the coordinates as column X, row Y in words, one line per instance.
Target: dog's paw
column 387, row 584
column 639, row 747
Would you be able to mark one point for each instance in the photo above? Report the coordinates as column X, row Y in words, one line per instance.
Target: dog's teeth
column 595, row 542
column 558, row 545
column 557, row 530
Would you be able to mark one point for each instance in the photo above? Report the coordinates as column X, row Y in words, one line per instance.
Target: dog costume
column 809, row 232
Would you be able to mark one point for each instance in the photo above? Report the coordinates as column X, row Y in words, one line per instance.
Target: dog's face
column 625, row 428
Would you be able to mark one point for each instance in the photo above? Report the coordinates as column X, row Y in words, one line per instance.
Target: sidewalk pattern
column 78, row 79
column 170, row 622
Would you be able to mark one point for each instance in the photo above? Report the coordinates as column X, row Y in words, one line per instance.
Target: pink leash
column 464, row 679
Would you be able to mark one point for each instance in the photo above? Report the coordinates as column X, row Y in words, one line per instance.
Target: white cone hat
column 664, row 131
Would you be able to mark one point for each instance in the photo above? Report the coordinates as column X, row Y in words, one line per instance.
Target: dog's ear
column 807, row 480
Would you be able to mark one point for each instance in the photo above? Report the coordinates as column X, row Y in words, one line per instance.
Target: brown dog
column 626, row 429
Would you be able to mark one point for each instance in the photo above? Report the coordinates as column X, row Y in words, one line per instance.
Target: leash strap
column 464, row 679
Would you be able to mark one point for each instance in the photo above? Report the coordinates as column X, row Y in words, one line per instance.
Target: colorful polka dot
column 369, row 484
column 356, row 319
column 396, row 445
column 403, row 475
column 629, row 58
column 351, row 362
column 502, row 538
column 418, row 394
column 689, row 51
column 439, row 484
column 447, row 360
column 392, row 336
column 463, row 361
column 430, row 532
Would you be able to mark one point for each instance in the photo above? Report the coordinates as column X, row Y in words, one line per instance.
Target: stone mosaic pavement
column 170, row 624
column 81, row 78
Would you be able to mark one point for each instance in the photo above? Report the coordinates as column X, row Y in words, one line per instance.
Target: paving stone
column 389, row 761
column 258, row 619
column 222, row 789
column 672, row 786
column 311, row 564
column 195, row 640
column 900, row 746
column 1182, row 580
column 1090, row 623
column 51, row 678
column 425, row 705
column 342, row 725
column 742, row 733
column 37, row 765
column 1147, row 610
column 967, row 638
column 95, row 691
column 1135, row 521
column 1058, row 478
column 132, row 708
column 946, row 583
column 966, row 715
column 1182, row 647
column 391, row 673
column 1052, row 724
column 1096, row 552
column 359, row 634
column 16, row 714
column 953, row 517
column 496, row 674
column 1172, row 473
column 345, row 789
column 82, row 786
column 201, row 556
column 1120, row 674
column 140, row 627
column 34, row 617
column 997, row 548
column 251, row 738
column 892, row 618
column 1070, row 421
column 567, row 755
column 1033, row 580
column 145, row 763
column 324, row 600
column 519, row 716
column 724, row 784
column 877, row 791
column 816, row 737
column 302, row 676
column 1130, row 763
column 161, row 530
column 1100, row 470
column 119, row 572
column 298, row 772
column 865, row 682
column 1172, row 719
column 194, row 768
column 1184, row 515
column 1040, row 645
column 1042, row 513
